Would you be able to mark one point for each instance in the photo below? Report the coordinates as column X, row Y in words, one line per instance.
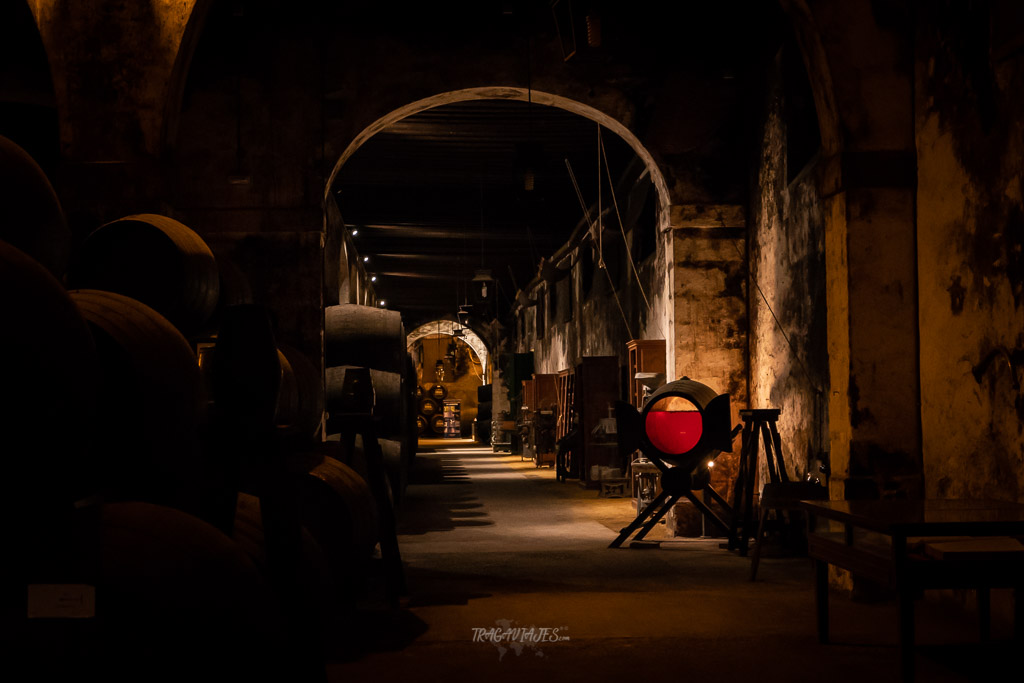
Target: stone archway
column 523, row 95
column 660, row 313
column 450, row 327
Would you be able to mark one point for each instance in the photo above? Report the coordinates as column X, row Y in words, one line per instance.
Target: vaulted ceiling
column 443, row 193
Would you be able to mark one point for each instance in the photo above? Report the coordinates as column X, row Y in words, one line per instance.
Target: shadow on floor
column 373, row 630
column 440, row 497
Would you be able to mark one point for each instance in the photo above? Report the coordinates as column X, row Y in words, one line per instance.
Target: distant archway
column 450, row 328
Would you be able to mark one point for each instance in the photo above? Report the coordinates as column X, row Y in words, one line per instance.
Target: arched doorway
column 451, row 365
column 564, row 131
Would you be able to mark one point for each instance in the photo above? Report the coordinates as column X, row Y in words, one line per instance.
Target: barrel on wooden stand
column 374, row 338
column 364, row 336
column 388, row 396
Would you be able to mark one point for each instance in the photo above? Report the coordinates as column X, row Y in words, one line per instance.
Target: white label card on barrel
column 61, row 601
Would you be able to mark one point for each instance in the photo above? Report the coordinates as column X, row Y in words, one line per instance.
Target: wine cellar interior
column 566, row 339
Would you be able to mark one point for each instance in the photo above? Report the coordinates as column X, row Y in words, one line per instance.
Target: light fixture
column 366, row 259
column 355, row 231
column 373, row 278
column 383, row 303
column 481, row 280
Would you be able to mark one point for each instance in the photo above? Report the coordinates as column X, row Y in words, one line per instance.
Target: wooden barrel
column 397, row 466
column 300, row 402
column 149, row 403
column 49, row 386
column 172, row 587
column 156, row 260
column 388, row 396
column 162, row 585
column 340, row 512
column 437, row 424
column 439, row 392
column 364, row 336
column 31, row 218
column 429, row 407
column 421, row 425
column 420, row 392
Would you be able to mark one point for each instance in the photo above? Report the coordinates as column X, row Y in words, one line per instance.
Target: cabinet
column 537, row 420
column 596, row 390
column 540, row 393
column 645, row 355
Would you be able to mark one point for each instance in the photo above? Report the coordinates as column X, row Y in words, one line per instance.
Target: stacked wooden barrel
column 143, row 466
column 366, row 337
column 431, row 410
column 98, row 406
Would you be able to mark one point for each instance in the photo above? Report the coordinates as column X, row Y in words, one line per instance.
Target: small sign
column 61, row 601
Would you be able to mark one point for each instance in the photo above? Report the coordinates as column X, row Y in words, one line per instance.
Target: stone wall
column 788, row 367
column 710, row 298
column 970, row 148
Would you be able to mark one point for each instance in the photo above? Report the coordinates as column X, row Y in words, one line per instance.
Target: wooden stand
column 358, row 418
column 757, row 424
column 675, row 484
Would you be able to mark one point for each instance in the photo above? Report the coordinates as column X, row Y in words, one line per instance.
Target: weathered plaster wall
column 655, row 321
column 115, row 67
column 860, row 60
column 596, row 310
column 788, row 367
column 112, row 65
column 595, row 328
column 970, row 143
column 710, row 300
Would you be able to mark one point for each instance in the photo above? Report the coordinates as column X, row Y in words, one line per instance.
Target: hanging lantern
column 483, row 283
column 439, row 370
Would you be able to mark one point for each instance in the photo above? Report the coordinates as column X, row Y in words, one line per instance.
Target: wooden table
column 895, row 542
